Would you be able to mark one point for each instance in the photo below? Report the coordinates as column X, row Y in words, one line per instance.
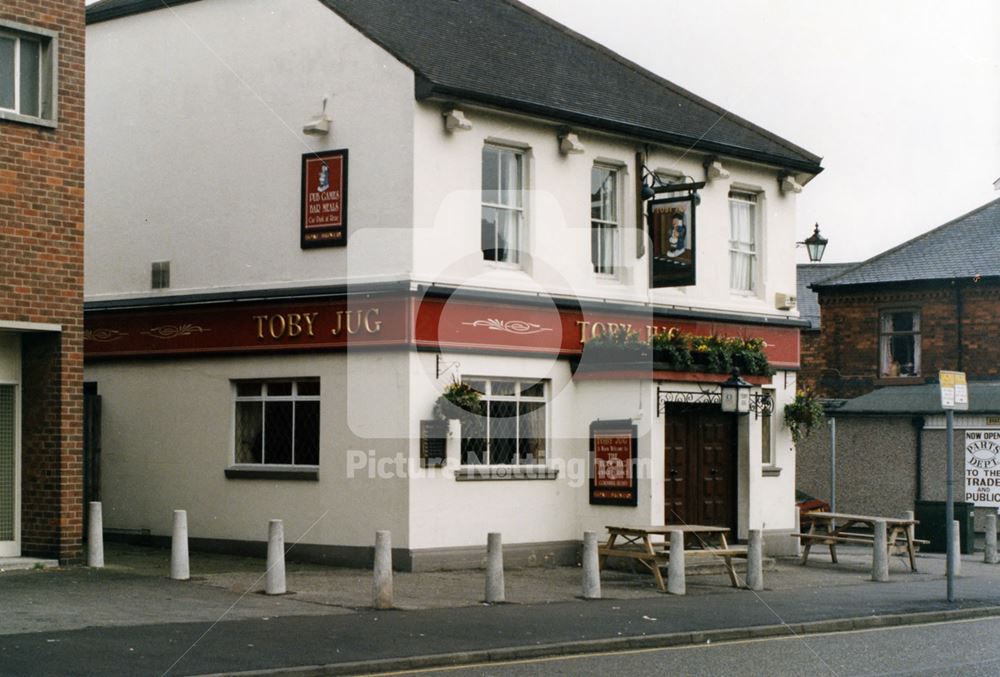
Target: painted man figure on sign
column 324, row 178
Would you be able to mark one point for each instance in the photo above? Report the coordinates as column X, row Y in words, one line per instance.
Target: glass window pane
column 503, row 432
column 307, row 433
column 308, row 388
column 507, row 236
column 7, row 73
column 532, row 389
column 30, row 73
column 248, row 388
column 278, row 432
column 531, row 445
column 249, row 419
column 279, row 389
column 491, row 175
column 488, row 235
column 478, row 386
column 503, row 388
column 510, row 178
column 902, row 321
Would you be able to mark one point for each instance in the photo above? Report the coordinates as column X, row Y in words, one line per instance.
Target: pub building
column 299, row 239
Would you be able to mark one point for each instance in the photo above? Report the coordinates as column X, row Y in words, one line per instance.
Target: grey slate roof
column 810, row 273
column 984, row 398
column 502, row 53
column 965, row 247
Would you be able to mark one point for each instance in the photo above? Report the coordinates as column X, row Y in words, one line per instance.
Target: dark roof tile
column 965, row 247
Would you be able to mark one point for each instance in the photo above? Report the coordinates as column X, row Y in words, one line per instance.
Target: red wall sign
column 324, row 199
column 393, row 318
column 613, row 477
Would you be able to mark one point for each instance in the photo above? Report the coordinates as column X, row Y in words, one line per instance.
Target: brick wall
column 959, row 320
column 41, row 281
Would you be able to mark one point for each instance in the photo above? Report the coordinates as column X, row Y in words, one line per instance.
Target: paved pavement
column 129, row 618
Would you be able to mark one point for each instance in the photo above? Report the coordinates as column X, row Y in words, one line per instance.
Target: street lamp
column 815, row 245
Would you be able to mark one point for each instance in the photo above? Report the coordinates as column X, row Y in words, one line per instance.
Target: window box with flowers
column 674, row 351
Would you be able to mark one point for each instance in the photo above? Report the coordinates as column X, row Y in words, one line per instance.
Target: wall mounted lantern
column 737, row 399
column 815, row 245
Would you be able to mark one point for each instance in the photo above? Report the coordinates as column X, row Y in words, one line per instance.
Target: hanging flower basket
column 803, row 414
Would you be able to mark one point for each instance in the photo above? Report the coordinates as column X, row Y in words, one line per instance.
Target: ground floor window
column 511, row 427
column 277, row 422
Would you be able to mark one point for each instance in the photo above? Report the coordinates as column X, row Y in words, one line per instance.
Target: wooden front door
column 700, row 467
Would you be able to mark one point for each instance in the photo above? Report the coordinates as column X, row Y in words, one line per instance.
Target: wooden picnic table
column 650, row 545
column 831, row 528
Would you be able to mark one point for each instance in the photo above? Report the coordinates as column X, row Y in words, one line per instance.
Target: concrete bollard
column 382, row 574
column 95, row 536
column 755, row 560
column 880, row 553
column 275, row 581
column 956, row 562
column 494, row 569
column 676, row 584
column 591, row 570
column 990, row 556
column 180, row 569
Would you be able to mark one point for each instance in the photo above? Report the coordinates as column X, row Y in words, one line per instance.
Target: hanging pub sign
column 324, row 199
column 672, row 231
column 613, row 478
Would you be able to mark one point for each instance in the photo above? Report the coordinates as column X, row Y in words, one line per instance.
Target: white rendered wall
column 194, row 145
column 447, row 204
column 168, row 438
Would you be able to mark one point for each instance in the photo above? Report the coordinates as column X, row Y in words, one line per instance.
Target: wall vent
column 161, row 275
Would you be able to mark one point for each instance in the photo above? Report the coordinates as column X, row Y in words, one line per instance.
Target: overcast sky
column 900, row 98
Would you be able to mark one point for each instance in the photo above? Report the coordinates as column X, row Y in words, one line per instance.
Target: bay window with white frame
column 502, row 221
column 744, row 241
column 604, row 220
column 27, row 74
column 512, row 427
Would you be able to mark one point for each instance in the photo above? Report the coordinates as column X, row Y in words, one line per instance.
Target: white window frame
column 517, row 397
column 517, row 210
column 885, row 342
column 48, row 84
column 614, row 223
column 264, row 397
column 741, row 249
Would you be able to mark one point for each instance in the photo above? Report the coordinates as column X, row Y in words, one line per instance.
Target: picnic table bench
column 650, row 546
column 831, row 528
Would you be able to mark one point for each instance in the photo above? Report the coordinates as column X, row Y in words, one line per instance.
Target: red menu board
column 613, row 479
column 324, row 199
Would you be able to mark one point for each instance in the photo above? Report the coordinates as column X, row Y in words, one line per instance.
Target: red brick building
column 883, row 329
column 41, row 277
column 897, row 319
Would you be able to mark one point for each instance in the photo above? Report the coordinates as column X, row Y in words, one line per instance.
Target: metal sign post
column 954, row 395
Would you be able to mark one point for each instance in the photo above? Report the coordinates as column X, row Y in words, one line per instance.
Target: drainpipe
column 959, row 311
column 918, row 429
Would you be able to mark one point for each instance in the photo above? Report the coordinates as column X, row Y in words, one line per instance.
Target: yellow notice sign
column 954, row 390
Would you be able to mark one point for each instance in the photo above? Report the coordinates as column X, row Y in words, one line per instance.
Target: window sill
column 770, row 471
column 263, row 472
column 505, row 472
column 916, row 379
column 11, row 116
